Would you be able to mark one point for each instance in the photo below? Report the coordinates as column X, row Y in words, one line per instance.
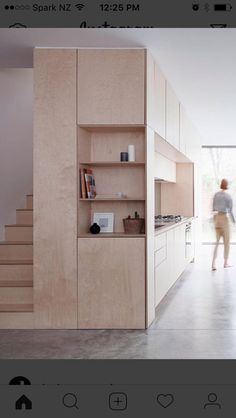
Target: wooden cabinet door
column 111, row 86
column 55, row 189
column 111, row 283
column 156, row 97
column 172, row 117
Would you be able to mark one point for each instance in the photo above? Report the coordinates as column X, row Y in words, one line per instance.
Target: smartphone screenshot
column 117, row 208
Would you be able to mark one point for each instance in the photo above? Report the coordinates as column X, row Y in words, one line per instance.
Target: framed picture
column 105, row 221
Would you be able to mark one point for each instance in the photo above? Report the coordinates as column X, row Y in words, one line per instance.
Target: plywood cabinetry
column 156, row 97
column 55, row 189
column 172, row 117
column 111, row 287
column 178, row 198
column 111, row 86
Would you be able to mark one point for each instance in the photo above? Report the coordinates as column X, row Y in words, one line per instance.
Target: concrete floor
column 196, row 320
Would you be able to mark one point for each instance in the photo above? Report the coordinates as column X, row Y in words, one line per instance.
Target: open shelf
column 99, row 149
column 113, row 163
column 108, row 199
column 111, row 235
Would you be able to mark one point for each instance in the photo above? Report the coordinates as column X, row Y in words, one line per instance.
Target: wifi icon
column 80, row 6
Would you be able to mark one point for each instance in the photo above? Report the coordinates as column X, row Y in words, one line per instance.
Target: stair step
column 16, row 307
column 16, row 272
column 16, row 283
column 16, row 250
column 24, row 216
column 15, row 295
column 29, row 201
column 16, row 262
column 23, row 233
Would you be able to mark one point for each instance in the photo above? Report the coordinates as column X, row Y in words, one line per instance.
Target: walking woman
column 222, row 204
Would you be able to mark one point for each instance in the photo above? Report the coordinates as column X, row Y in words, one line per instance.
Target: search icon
column 70, row 400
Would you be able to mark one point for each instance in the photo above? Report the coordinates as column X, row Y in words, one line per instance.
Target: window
column 217, row 163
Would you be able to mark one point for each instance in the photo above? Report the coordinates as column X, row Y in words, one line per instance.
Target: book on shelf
column 82, row 183
column 90, row 184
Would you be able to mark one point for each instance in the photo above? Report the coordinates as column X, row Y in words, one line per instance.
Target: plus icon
column 118, row 401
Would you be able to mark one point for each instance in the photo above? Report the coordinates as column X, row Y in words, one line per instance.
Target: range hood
column 159, row 180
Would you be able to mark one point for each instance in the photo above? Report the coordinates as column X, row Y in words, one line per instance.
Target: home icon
column 23, row 403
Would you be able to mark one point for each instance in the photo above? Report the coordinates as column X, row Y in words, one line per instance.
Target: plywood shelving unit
column 99, row 148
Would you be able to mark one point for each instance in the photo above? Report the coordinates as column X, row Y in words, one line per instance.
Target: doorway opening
column 217, row 162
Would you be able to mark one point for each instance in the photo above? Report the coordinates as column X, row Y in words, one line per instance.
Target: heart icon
column 165, row 400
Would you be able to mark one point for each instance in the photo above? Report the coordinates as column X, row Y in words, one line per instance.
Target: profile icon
column 212, row 402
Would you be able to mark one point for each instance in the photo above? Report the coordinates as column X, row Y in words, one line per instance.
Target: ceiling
column 200, row 64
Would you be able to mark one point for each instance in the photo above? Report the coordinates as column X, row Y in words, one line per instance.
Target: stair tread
column 19, row 225
column 25, row 209
column 15, row 262
column 16, row 307
column 16, row 243
column 16, row 283
column 29, row 195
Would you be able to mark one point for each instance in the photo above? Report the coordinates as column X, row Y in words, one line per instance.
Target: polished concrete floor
column 196, row 320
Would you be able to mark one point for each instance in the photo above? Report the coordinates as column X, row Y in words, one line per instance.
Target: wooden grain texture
column 150, row 210
column 29, row 201
column 55, row 188
column 111, row 288
column 18, row 319
column 16, row 272
column 16, row 251
column 111, row 86
column 178, row 198
column 16, row 295
column 18, row 233
column 24, row 216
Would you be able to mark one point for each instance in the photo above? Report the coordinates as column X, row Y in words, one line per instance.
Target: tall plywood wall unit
column 55, row 189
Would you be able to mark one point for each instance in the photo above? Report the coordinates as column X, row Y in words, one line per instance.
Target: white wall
column 16, row 141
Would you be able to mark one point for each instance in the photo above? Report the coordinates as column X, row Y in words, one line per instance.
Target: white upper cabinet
column 184, row 127
column 111, row 86
column 164, row 168
column 190, row 143
column 172, row 117
column 156, row 97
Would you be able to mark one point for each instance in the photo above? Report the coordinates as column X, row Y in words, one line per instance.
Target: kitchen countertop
column 170, row 225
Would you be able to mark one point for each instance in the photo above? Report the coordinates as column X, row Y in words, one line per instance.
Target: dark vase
column 95, row 229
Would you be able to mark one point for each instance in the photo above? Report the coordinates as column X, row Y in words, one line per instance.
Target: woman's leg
column 218, row 235
column 226, row 238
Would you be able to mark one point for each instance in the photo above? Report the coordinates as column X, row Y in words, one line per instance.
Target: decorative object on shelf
column 105, row 221
column 95, row 228
column 124, row 156
column 133, row 225
column 131, row 153
column 121, row 195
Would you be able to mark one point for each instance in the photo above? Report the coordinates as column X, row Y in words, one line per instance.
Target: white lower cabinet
column 173, row 264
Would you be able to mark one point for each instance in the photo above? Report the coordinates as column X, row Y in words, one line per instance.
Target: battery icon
column 223, row 7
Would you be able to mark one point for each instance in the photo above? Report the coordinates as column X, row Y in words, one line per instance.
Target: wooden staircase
column 16, row 265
